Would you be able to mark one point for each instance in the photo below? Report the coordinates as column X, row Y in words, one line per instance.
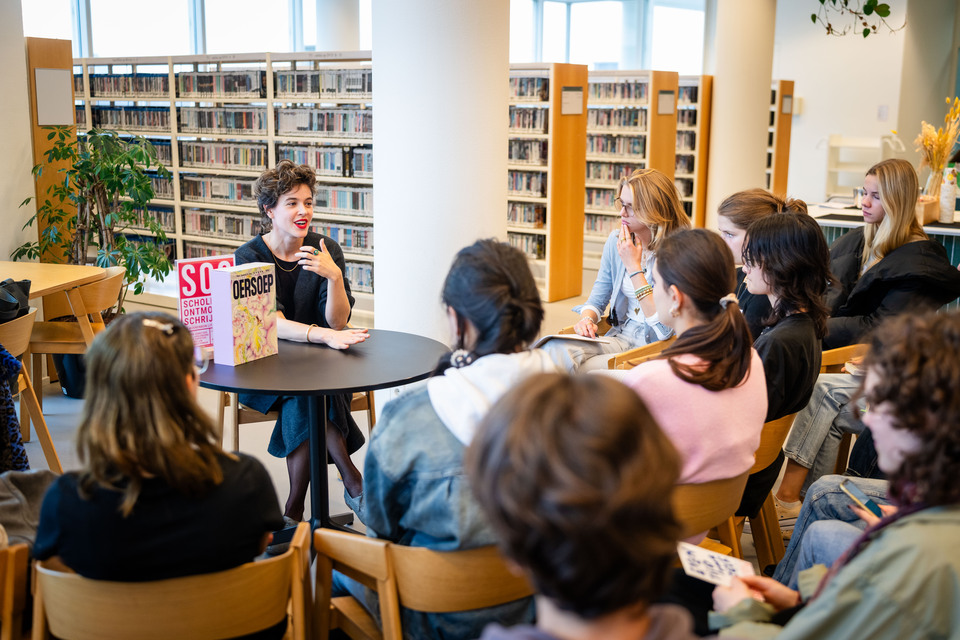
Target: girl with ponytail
column 707, row 390
column 415, row 491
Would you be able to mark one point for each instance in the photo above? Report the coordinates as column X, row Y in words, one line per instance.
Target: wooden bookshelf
column 625, row 131
column 778, row 136
column 693, row 144
column 547, row 153
column 219, row 120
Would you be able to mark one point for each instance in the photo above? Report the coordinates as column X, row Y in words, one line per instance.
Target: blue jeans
column 814, row 439
column 818, row 537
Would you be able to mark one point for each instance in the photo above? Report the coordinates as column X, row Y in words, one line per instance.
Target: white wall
column 16, row 182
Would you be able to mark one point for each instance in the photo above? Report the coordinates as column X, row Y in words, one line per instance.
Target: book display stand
column 778, row 135
column 632, row 124
column 693, row 144
column 218, row 121
column 545, row 173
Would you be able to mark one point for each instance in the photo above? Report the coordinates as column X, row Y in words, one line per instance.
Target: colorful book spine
column 244, row 313
column 195, row 303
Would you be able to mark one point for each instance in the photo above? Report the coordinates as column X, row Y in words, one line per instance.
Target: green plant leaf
column 866, row 32
column 813, row 17
column 883, row 10
column 867, row 9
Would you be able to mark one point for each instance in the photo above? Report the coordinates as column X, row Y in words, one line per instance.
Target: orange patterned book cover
column 244, row 313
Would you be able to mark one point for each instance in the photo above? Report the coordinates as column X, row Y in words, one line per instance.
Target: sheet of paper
column 710, row 566
column 571, row 101
column 568, row 336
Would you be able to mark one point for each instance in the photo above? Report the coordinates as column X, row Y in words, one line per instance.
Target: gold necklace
column 280, row 266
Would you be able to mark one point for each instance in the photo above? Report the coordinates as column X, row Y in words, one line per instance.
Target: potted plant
column 104, row 193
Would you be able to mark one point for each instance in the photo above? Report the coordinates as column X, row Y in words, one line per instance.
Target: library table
column 50, row 278
column 385, row 359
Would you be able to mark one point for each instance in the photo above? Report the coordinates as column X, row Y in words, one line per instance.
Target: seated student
column 650, row 210
column 415, row 491
column 156, row 497
column 707, row 390
column 576, row 478
column 785, row 259
column 901, row 577
column 734, row 215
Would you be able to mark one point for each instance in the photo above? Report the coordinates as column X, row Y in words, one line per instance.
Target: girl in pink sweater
column 707, row 391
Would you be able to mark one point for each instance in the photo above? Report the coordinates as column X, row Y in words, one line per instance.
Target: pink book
column 194, row 301
column 244, row 313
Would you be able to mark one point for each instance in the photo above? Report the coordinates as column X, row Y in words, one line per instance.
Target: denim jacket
column 608, row 289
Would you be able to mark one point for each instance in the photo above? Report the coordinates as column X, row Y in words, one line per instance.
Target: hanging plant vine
column 865, row 17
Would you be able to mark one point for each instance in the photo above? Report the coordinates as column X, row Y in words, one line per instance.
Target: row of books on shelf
column 330, row 161
column 312, row 121
column 352, row 238
column 688, row 94
column 598, row 145
column 684, row 186
column 164, row 216
column 523, row 151
column 534, row 246
column 529, row 119
column 526, row 214
column 618, row 91
column 332, row 84
column 600, row 225
column 221, row 224
column 610, row 172
column 529, row 88
column 686, row 140
column 685, row 164
column 687, row 117
column 610, row 119
column 528, row 184
column 601, row 198
column 333, row 199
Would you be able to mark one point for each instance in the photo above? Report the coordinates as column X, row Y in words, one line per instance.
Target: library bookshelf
column 545, row 172
column 694, row 98
column 629, row 127
column 778, row 135
column 218, row 121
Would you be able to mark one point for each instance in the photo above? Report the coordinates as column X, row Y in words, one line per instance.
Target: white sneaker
column 786, row 513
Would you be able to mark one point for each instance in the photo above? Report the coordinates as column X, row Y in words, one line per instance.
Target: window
column 555, row 32
column 366, row 24
column 50, row 19
column 237, row 26
column 677, row 40
column 160, row 28
column 522, row 34
column 596, row 33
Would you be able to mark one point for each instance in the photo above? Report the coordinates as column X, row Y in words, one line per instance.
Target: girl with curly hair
column 901, row 577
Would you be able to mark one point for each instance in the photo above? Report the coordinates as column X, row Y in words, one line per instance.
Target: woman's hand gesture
column 342, row 339
column 319, row 261
column 630, row 250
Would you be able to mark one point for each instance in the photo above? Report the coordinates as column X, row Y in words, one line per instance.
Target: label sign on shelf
column 571, row 101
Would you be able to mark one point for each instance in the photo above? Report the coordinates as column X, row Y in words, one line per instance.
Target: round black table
column 385, row 359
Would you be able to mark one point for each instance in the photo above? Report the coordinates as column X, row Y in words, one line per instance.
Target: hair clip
column 165, row 327
column 727, row 299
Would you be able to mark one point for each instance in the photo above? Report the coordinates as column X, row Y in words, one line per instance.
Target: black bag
column 14, row 299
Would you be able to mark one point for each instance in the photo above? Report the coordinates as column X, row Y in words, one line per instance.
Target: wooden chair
column 411, row 577
column 633, row 357
column 765, row 528
column 225, row 604
column 13, row 590
column 243, row 414
column 832, row 361
column 15, row 338
column 702, row 507
column 87, row 303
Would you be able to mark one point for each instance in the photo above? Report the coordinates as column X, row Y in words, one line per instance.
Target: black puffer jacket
column 914, row 277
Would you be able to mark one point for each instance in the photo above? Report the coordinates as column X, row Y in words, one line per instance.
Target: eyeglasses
column 620, row 204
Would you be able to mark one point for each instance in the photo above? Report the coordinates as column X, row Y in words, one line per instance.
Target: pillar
column 338, row 25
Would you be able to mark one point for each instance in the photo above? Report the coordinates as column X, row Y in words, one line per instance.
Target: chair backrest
column 633, row 357
column 701, row 507
column 15, row 335
column 97, row 296
column 13, row 589
column 771, row 442
column 225, row 604
column 834, row 359
column 414, row 577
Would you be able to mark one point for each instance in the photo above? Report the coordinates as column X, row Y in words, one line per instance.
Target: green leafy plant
column 865, row 16
column 104, row 192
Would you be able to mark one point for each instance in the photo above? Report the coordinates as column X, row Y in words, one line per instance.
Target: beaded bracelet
column 643, row 292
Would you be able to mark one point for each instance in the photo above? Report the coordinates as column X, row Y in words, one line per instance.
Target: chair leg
column 43, row 433
column 727, row 532
column 843, row 454
column 767, row 537
column 371, row 412
column 221, row 407
column 235, row 403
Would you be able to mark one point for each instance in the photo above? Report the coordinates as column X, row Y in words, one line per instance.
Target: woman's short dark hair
column 793, row 254
column 576, row 478
column 490, row 285
column 743, row 208
column 917, row 361
column 273, row 183
column 701, row 266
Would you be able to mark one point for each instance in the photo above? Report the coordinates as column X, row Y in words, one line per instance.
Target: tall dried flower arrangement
column 935, row 146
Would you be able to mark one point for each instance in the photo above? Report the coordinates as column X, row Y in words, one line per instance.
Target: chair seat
column 59, row 337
